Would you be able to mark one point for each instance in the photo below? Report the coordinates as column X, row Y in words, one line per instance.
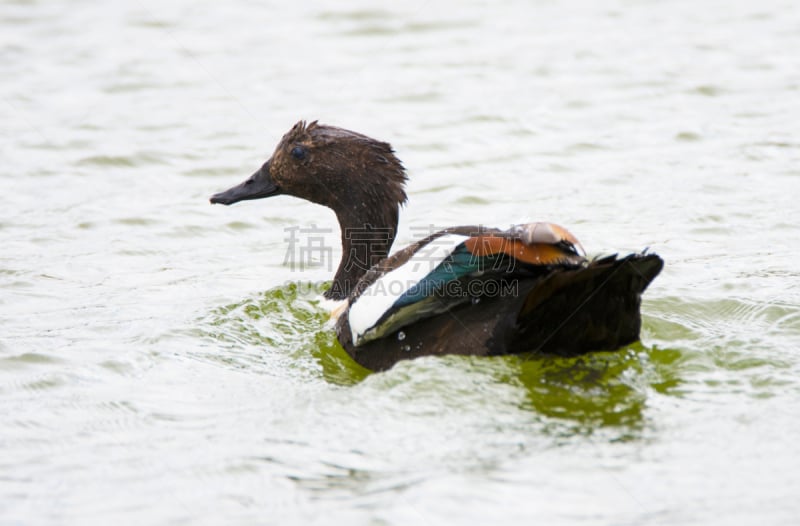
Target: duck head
column 358, row 177
column 326, row 165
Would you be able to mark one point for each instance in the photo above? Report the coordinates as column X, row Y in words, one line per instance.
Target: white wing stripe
column 381, row 295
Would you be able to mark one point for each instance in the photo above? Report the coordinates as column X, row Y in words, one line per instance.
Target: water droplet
column 405, row 348
column 401, row 336
column 476, row 300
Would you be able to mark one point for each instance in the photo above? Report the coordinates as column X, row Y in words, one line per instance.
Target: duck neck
column 367, row 235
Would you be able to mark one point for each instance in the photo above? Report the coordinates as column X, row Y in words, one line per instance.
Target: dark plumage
column 359, row 178
column 488, row 292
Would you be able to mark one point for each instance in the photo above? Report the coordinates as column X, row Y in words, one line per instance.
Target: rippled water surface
column 163, row 362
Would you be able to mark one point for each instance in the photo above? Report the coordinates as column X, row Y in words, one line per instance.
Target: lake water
column 164, row 361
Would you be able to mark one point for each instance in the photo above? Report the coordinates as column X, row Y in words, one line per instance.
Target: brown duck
column 464, row 290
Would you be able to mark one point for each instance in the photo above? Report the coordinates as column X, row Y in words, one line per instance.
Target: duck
column 465, row 290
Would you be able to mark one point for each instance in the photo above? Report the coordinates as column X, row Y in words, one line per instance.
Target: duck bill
column 257, row 186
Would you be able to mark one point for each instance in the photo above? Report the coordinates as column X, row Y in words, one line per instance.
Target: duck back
column 490, row 292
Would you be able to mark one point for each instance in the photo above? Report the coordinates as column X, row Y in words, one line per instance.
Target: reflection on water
column 286, row 324
column 600, row 390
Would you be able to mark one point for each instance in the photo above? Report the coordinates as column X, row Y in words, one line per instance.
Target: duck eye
column 299, row 153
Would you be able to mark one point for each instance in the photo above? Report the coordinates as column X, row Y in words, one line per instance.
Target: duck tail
column 596, row 307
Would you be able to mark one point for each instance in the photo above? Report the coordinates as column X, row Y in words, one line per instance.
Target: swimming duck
column 467, row 290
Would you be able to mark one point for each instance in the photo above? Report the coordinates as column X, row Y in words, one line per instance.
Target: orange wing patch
column 536, row 254
column 536, row 244
column 548, row 233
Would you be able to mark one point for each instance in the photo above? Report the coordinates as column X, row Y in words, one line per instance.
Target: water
column 162, row 360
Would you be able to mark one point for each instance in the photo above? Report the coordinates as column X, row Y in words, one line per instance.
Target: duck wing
column 451, row 267
column 447, row 287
